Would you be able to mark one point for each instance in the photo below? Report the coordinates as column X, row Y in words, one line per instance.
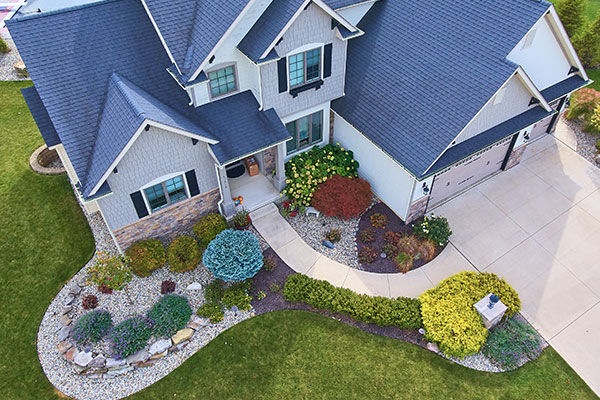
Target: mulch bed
column 274, row 301
column 394, row 224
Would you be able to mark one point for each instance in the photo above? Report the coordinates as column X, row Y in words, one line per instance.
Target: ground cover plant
column 130, row 336
column 211, row 310
column 449, row 317
column 183, row 254
column 146, row 257
column 92, row 327
column 233, row 256
column 511, row 342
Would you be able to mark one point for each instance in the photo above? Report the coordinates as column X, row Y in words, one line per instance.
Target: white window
column 305, row 132
column 529, row 39
column 166, row 193
column 222, row 81
column 305, row 67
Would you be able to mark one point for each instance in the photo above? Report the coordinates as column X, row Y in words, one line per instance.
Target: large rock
column 66, row 310
column 160, row 346
column 138, row 357
column 182, row 335
column 120, row 371
column 98, row 362
column 64, row 346
column 198, row 323
column 65, row 320
column 69, row 300
column 64, row 333
column 70, row 354
column 113, row 363
column 75, row 290
column 194, row 286
column 433, row 347
column 83, row 358
column 159, row 355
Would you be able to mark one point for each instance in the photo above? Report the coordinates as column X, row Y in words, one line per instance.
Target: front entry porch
column 251, row 188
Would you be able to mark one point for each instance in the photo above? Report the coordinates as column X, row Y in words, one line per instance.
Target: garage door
column 547, row 125
column 468, row 172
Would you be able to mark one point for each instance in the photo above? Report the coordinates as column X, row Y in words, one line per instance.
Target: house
column 154, row 105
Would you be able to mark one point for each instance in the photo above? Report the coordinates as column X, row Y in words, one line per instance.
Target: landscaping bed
column 586, row 142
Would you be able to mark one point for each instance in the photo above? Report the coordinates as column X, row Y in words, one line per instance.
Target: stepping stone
column 160, row 346
column 182, row 335
column 69, row 300
column 75, row 290
column 198, row 323
column 83, row 358
column 66, row 310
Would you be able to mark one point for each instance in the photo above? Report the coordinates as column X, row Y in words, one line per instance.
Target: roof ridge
column 27, row 17
column 123, row 86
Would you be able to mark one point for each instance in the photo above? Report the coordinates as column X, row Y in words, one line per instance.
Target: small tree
column 572, row 15
column 233, row 256
column 587, row 44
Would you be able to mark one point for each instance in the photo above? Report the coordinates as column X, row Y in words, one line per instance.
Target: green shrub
column 130, row 336
column 233, row 256
column 4, row 46
column 583, row 103
column 112, row 272
column 510, row 342
column 305, row 171
column 183, row 254
column 237, row 295
column 212, row 311
column 170, row 314
column 92, row 327
column 402, row 312
column 214, row 291
column 333, row 235
column 209, row 227
column 436, row 229
column 146, row 257
column 448, row 314
column 404, row 262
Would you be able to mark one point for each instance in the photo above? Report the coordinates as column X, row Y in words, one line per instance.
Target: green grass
column 594, row 74
column 44, row 240
column 296, row 354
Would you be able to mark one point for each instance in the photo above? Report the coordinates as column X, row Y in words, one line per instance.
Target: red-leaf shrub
column 367, row 255
column 342, row 197
column 167, row 287
column 366, row 235
column 89, row 302
column 104, row 289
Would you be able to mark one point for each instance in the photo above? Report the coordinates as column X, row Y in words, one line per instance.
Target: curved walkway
column 304, row 259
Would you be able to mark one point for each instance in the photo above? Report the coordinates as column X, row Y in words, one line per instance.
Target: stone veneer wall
column 169, row 223
column 515, row 157
column 269, row 157
column 331, row 123
column 417, row 209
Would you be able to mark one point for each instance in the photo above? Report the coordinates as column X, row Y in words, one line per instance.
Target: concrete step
column 264, row 211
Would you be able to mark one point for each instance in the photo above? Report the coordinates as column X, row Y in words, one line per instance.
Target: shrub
column 449, row 316
column 237, row 295
column 110, row 271
column 104, row 289
column 4, row 46
column 212, row 311
column 595, row 120
column 167, row 287
column 572, row 15
column 233, row 256
column 404, row 262
column 390, row 250
column 146, row 256
column 275, row 288
column 89, row 302
column 214, row 291
column 170, row 314
column 401, row 312
column 343, row 197
column 333, row 235
column 307, row 170
column 436, row 229
column 130, row 336
column 583, row 103
column 269, row 263
column 183, row 254
column 367, row 255
column 92, row 327
column 260, row 295
column 378, row 220
column 426, row 250
column 209, row 227
column 367, row 235
column 408, row 244
column 510, row 342
column 391, row 237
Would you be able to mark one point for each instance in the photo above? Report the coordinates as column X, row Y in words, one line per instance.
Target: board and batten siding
column 389, row 181
column 516, row 101
column 312, row 26
column 154, row 154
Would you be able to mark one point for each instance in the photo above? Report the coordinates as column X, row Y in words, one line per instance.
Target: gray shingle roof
column 40, row 116
column 335, row 4
column 422, row 71
column 561, row 88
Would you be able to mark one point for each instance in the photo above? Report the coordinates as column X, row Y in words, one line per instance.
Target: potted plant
column 241, row 220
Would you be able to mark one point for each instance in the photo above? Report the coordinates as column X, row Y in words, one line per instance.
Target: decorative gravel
column 586, row 143
column 312, row 230
column 7, row 63
column 140, row 295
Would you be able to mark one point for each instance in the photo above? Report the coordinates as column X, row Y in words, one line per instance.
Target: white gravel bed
column 312, row 230
column 586, row 143
column 140, row 295
column 7, row 63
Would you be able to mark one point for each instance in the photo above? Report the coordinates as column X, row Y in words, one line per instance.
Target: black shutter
column 327, row 60
column 192, row 182
column 282, row 73
column 138, row 203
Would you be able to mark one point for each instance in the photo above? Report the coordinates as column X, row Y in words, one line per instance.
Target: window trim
column 235, row 76
column 161, row 181
column 304, row 52
column 299, row 149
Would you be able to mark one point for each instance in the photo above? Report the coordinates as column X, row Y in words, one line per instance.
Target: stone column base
column 417, row 209
column 515, row 157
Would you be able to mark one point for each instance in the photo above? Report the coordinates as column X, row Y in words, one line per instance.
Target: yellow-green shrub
column 449, row 317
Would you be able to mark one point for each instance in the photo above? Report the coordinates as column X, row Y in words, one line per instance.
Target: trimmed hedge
column 146, row 257
column 233, row 256
column 401, row 312
column 183, row 254
column 209, row 227
column 448, row 314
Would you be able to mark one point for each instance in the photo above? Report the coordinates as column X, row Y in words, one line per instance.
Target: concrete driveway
column 538, row 226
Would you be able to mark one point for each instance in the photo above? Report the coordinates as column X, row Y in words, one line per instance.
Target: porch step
column 264, row 211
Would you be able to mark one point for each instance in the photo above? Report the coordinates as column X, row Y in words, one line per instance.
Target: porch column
column 260, row 158
column 227, row 205
column 279, row 181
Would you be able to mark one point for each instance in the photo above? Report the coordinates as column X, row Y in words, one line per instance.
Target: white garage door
column 468, row 172
column 548, row 124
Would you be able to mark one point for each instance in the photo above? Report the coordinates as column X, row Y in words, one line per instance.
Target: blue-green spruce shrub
column 233, row 256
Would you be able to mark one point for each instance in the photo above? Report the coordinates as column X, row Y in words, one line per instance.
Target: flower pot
column 244, row 227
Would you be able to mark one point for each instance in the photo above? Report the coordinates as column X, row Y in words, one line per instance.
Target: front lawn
column 297, row 354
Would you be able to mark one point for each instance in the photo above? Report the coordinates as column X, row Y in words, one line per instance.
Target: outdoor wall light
column 526, row 136
column 425, row 188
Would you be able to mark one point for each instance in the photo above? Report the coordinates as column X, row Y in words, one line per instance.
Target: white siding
column 544, row 61
column 392, row 183
column 354, row 14
column 514, row 102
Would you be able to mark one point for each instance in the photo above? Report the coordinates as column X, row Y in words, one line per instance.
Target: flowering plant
column 130, row 336
column 92, row 327
column 307, row 170
column 436, row 229
column 112, row 272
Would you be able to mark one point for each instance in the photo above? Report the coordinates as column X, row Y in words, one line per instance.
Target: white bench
column 313, row 211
